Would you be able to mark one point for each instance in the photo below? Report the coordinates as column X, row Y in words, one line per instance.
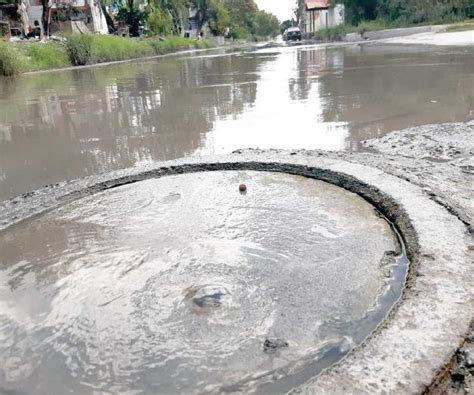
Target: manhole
column 189, row 284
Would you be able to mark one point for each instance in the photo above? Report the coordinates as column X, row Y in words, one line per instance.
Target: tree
column 133, row 17
column 360, row 10
column 286, row 24
column 246, row 19
column 239, row 18
column 159, row 21
column 219, row 17
column 242, row 16
column 419, row 11
column 267, row 24
column 405, row 12
column 170, row 15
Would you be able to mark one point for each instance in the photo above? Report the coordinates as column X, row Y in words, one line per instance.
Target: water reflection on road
column 66, row 125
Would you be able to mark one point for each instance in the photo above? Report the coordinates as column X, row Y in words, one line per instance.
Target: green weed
column 11, row 60
column 460, row 27
column 86, row 49
column 42, row 56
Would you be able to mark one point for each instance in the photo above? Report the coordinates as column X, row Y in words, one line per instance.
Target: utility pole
column 300, row 13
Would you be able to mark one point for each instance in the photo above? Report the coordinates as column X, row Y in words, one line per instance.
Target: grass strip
column 86, row 49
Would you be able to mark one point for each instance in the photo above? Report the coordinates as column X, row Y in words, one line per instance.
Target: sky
column 283, row 9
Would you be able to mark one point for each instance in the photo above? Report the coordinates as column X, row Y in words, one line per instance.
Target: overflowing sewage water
column 66, row 125
column 184, row 284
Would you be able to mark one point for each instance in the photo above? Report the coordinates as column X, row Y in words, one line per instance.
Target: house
column 25, row 17
column 322, row 14
column 21, row 18
column 34, row 18
column 191, row 28
column 77, row 16
column 10, row 24
column 194, row 24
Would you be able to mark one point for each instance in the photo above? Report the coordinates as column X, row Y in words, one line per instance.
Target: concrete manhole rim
column 408, row 348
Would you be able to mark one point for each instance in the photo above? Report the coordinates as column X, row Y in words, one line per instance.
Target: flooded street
column 162, row 287
column 65, row 125
column 246, row 273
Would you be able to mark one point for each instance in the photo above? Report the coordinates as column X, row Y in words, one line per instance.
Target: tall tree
column 219, row 17
column 267, row 24
column 174, row 10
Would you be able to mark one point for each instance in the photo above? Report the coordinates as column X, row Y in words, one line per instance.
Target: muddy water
column 59, row 126
column 185, row 285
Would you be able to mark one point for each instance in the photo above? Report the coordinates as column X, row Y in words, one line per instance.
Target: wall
column 336, row 15
column 315, row 20
column 322, row 19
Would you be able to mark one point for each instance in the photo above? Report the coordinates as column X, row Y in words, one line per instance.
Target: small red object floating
column 243, row 188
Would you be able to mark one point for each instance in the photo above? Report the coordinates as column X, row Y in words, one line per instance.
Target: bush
column 18, row 58
column 86, row 49
column 112, row 48
column 89, row 49
column 410, row 12
column 202, row 44
column 79, row 49
column 11, row 60
column 338, row 32
column 46, row 56
column 239, row 33
column 333, row 33
column 459, row 27
column 173, row 43
column 370, row 26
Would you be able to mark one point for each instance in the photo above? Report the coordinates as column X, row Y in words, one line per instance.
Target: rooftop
column 312, row 4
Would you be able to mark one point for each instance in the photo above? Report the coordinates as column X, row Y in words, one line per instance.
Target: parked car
column 292, row 34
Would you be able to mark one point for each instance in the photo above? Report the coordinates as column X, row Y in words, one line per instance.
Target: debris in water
column 213, row 300
column 271, row 346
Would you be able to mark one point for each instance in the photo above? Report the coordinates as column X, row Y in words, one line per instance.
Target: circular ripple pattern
column 174, row 285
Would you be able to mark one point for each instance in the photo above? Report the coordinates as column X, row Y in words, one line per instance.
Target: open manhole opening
column 188, row 284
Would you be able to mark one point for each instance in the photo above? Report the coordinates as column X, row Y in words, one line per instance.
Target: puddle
column 66, row 125
column 184, row 284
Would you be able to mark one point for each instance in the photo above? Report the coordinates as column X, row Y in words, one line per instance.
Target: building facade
column 322, row 14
